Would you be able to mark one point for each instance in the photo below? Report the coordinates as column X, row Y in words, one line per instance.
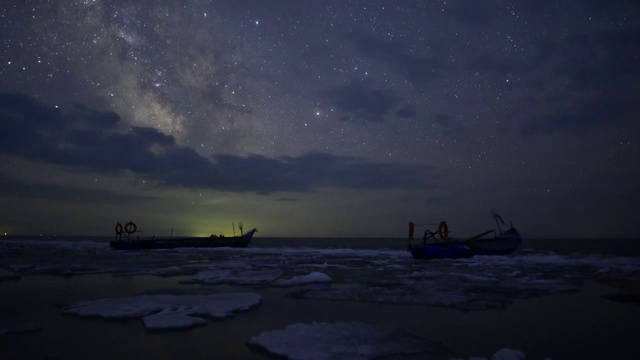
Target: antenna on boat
column 233, row 225
column 498, row 219
column 240, row 227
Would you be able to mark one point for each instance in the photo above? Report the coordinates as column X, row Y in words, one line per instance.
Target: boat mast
column 498, row 220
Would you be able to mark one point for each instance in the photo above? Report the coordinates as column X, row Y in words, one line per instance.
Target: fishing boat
column 125, row 242
column 443, row 246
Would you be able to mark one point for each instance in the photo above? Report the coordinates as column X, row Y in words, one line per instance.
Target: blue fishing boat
column 439, row 245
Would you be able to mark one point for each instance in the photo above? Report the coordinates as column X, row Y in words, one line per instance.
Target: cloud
column 17, row 189
column 601, row 61
column 407, row 113
column 417, row 69
column 492, row 64
column 599, row 74
column 93, row 140
column 361, row 103
column 575, row 116
column 474, row 13
column 448, row 124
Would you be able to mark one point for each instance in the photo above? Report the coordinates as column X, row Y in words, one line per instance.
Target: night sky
column 320, row 118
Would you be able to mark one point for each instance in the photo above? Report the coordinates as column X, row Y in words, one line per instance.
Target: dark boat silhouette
column 445, row 247
column 124, row 242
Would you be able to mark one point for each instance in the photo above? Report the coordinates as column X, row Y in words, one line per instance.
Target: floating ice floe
column 377, row 275
column 317, row 341
column 239, row 277
column 166, row 311
column 171, row 319
column 18, row 327
column 314, row 277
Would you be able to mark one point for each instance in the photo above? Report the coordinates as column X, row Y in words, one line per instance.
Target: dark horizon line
column 17, row 236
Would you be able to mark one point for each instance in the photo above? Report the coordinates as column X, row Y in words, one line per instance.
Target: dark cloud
column 407, row 113
column 576, row 116
column 16, row 189
column 493, row 64
column 360, row 103
column 42, row 133
column 448, row 124
column 545, row 50
column 601, row 61
column 387, row 50
column 94, row 119
column 600, row 73
column 474, row 13
column 417, row 69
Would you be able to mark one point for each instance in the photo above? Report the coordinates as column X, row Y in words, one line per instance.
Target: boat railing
column 475, row 237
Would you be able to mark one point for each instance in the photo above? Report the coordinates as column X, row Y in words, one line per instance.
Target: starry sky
column 320, row 118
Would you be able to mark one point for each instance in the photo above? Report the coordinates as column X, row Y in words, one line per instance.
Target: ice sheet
column 351, row 340
column 166, row 311
column 377, row 275
column 239, row 277
column 314, row 277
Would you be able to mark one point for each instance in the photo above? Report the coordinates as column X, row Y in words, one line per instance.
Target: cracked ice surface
column 375, row 275
column 239, row 277
column 351, row 340
column 314, row 277
column 166, row 311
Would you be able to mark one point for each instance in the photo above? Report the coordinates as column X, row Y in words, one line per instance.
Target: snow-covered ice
column 314, row 277
column 169, row 319
column 353, row 275
column 317, row 341
column 239, row 277
column 167, row 311
column 373, row 275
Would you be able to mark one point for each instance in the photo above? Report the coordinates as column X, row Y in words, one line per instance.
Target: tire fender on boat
column 118, row 229
column 130, row 228
column 443, row 230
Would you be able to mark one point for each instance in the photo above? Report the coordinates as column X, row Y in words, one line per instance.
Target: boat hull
column 503, row 245
column 453, row 250
column 193, row 242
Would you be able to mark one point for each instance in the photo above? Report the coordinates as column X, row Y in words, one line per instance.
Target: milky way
column 523, row 105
